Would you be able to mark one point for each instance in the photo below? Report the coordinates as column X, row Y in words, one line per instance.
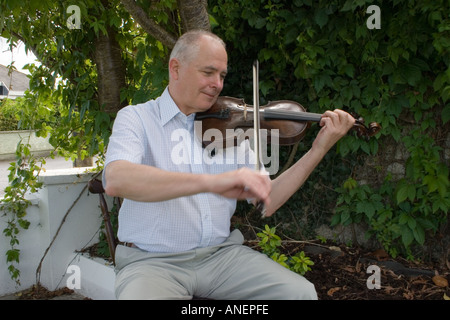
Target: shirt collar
column 168, row 109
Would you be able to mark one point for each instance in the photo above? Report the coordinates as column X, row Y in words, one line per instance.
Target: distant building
column 12, row 86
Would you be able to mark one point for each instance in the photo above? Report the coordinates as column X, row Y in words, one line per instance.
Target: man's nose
column 217, row 82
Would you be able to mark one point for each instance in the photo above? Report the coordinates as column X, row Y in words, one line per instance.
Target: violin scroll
column 362, row 131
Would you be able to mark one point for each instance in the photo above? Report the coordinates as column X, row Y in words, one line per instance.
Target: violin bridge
column 244, row 106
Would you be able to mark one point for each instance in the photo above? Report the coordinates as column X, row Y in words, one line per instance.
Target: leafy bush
column 401, row 215
column 323, row 55
column 27, row 113
column 8, row 119
column 270, row 243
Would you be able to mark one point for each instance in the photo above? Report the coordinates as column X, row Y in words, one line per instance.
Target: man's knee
column 306, row 291
column 132, row 287
column 298, row 289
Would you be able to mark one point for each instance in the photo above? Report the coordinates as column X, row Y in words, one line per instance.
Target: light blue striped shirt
column 157, row 134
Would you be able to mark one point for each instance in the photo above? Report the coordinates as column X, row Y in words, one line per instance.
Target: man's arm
column 146, row 183
column 334, row 126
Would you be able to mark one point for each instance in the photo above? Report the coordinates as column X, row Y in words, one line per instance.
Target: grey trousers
column 229, row 271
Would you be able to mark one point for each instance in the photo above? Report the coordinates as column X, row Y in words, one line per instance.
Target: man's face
column 196, row 84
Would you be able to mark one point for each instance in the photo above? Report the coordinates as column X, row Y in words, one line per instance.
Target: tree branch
column 148, row 24
column 194, row 14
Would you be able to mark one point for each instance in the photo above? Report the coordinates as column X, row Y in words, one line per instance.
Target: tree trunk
column 110, row 72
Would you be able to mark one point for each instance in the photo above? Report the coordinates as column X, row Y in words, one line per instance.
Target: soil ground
column 341, row 273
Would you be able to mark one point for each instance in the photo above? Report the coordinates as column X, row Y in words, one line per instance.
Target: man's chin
column 208, row 102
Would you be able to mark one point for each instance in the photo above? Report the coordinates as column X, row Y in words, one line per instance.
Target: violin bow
column 256, row 125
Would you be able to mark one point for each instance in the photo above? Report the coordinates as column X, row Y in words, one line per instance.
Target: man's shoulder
column 142, row 111
column 150, row 106
column 140, row 107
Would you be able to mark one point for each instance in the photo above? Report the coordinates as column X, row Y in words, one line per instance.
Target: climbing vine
column 323, row 55
column 23, row 179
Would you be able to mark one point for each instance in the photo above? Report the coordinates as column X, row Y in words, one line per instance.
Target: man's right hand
column 243, row 184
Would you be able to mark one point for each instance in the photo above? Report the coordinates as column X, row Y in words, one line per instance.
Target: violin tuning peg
column 374, row 128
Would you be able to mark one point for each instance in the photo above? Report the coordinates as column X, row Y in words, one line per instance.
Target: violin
column 288, row 117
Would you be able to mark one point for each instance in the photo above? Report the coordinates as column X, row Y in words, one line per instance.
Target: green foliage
column 8, row 119
column 321, row 54
column 23, row 179
column 27, row 113
column 400, row 216
column 65, row 83
column 405, row 213
column 301, row 263
column 270, row 243
column 269, row 240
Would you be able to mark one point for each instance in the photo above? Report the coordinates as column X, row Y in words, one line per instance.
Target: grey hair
column 187, row 45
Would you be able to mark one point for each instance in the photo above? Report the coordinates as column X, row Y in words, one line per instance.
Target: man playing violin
column 175, row 218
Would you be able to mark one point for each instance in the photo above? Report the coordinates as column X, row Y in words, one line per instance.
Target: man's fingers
column 243, row 184
column 338, row 121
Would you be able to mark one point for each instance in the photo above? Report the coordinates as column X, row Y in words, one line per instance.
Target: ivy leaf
column 407, row 236
column 23, row 223
column 419, row 234
column 335, row 220
column 366, row 207
column 12, row 255
column 431, row 182
column 446, row 114
column 446, row 93
column 410, row 73
column 345, row 218
column 321, row 17
column 350, row 184
column 406, row 191
column 439, row 81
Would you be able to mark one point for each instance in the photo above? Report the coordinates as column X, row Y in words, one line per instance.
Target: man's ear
column 174, row 66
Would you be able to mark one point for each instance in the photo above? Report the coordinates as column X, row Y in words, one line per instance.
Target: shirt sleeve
column 127, row 139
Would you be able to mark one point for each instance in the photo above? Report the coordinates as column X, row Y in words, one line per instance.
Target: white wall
column 10, row 139
column 61, row 188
